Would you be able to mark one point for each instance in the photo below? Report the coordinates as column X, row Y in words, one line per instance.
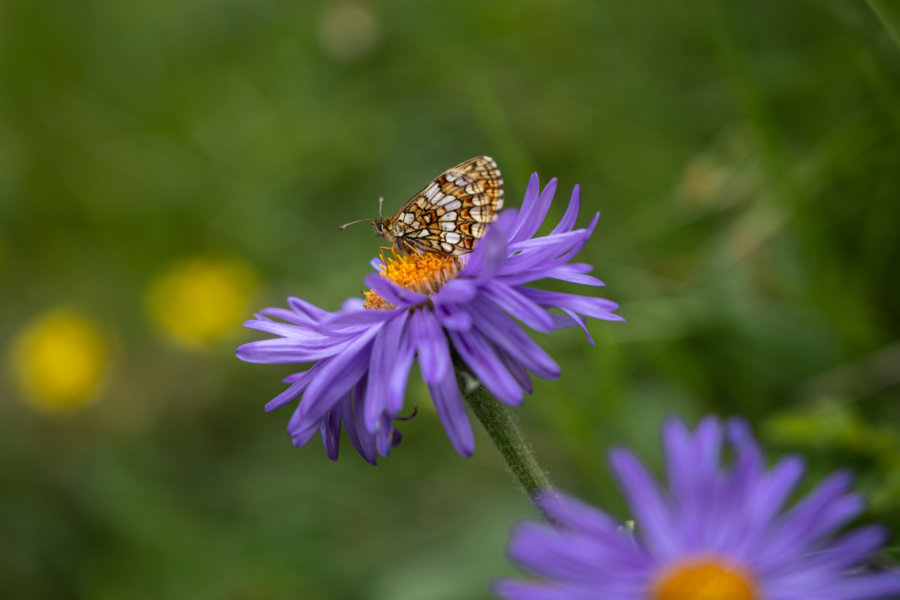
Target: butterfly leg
column 403, row 247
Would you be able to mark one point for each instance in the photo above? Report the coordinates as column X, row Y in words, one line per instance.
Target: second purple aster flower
column 723, row 528
column 432, row 308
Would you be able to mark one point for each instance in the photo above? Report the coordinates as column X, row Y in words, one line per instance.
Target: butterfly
column 450, row 214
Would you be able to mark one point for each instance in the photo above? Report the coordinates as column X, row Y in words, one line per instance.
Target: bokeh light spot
column 348, row 31
column 59, row 360
column 201, row 300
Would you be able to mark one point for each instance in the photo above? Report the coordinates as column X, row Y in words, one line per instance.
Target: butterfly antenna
column 346, row 225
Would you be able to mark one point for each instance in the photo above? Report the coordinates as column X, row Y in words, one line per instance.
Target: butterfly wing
column 451, row 214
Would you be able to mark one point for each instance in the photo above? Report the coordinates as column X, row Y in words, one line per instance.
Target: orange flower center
column 423, row 273
column 709, row 579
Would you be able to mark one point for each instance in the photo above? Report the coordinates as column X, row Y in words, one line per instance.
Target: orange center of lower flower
column 423, row 273
column 709, row 579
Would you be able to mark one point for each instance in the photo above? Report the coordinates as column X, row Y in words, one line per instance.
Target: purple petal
column 352, row 304
column 775, row 488
column 574, row 557
column 386, row 436
column 331, row 432
column 354, row 423
column 289, row 350
column 431, row 345
column 572, row 513
column 571, row 319
column 393, row 293
column 356, row 318
column 515, row 368
column 579, row 245
column 570, row 273
column 767, row 499
column 489, row 255
column 456, row 291
column 645, row 500
column 568, row 219
column 403, row 360
column 295, row 332
column 708, row 439
column 574, row 273
column 532, row 191
column 482, row 361
column 335, row 379
column 261, row 322
column 552, row 553
column 878, row 586
column 822, row 510
column 825, row 521
column 290, row 394
column 748, row 465
column 450, row 408
column 291, row 316
column 518, row 305
column 598, row 308
column 850, row 550
column 305, row 308
column 302, row 437
column 543, row 252
column 552, row 246
column 452, row 317
column 381, row 364
column 534, row 212
column 506, row 333
column 682, row 471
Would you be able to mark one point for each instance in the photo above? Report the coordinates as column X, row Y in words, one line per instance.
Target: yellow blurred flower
column 200, row 300
column 59, row 359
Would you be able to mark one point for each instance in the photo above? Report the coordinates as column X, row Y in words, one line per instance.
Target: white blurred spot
column 348, row 30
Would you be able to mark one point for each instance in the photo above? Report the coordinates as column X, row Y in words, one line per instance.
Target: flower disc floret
column 424, row 273
column 709, row 579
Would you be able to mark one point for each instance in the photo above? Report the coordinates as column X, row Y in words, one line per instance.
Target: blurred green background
column 168, row 167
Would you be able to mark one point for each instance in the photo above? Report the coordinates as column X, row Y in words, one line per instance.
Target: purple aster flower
column 715, row 534
column 439, row 310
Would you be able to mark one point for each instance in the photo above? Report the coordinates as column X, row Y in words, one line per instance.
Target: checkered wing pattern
column 451, row 214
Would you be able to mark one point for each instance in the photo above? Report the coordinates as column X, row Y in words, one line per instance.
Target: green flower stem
column 499, row 423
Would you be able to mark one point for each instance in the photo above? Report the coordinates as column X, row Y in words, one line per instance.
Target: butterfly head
column 378, row 225
column 381, row 226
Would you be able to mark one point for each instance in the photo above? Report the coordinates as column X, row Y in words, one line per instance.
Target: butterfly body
column 450, row 214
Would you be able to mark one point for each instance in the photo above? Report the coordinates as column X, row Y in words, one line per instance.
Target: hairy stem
column 499, row 424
